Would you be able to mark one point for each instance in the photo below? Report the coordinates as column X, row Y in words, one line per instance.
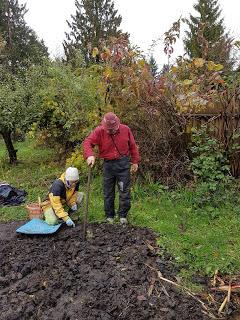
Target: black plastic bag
column 11, row 196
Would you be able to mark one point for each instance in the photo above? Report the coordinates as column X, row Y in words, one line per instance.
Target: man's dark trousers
column 116, row 172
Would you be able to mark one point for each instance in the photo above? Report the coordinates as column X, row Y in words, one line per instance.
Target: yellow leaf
column 214, row 67
column 198, row 62
column 106, row 54
column 141, row 63
column 95, row 52
column 211, row 65
column 218, row 67
column 174, row 69
column 187, row 82
column 107, row 72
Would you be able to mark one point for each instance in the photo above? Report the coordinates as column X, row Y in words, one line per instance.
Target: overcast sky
column 145, row 20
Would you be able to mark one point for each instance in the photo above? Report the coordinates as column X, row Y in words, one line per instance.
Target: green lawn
column 36, row 169
column 201, row 240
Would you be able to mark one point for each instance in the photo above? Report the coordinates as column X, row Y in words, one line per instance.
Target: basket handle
column 39, row 202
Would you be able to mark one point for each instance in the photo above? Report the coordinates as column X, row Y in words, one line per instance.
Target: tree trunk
column 10, row 148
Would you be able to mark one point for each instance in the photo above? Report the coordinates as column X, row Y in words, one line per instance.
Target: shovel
column 85, row 220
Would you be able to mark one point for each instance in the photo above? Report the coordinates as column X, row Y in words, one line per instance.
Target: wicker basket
column 34, row 210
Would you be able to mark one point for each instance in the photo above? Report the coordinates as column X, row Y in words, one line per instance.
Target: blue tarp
column 37, row 226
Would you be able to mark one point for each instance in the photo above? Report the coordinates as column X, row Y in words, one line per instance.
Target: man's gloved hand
column 70, row 223
column 91, row 161
column 74, row 207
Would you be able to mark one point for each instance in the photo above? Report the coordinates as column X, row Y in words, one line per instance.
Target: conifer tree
column 93, row 22
column 206, row 37
column 153, row 66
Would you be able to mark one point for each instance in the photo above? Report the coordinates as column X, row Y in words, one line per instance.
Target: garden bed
column 114, row 274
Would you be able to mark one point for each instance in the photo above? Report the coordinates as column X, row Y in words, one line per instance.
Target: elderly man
column 118, row 149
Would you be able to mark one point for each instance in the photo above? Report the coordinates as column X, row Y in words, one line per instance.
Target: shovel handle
column 85, row 220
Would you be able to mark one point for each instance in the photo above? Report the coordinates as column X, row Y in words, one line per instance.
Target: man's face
column 112, row 131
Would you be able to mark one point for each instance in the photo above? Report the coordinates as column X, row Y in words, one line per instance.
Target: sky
column 145, row 20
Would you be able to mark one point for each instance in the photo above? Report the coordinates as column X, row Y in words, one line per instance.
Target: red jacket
column 123, row 139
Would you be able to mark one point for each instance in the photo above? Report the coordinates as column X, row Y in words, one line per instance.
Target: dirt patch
column 108, row 277
column 7, row 230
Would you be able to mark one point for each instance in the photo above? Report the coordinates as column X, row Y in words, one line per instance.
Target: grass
column 37, row 168
column 194, row 239
column 200, row 240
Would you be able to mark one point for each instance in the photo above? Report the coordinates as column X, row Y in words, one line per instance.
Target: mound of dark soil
column 109, row 276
